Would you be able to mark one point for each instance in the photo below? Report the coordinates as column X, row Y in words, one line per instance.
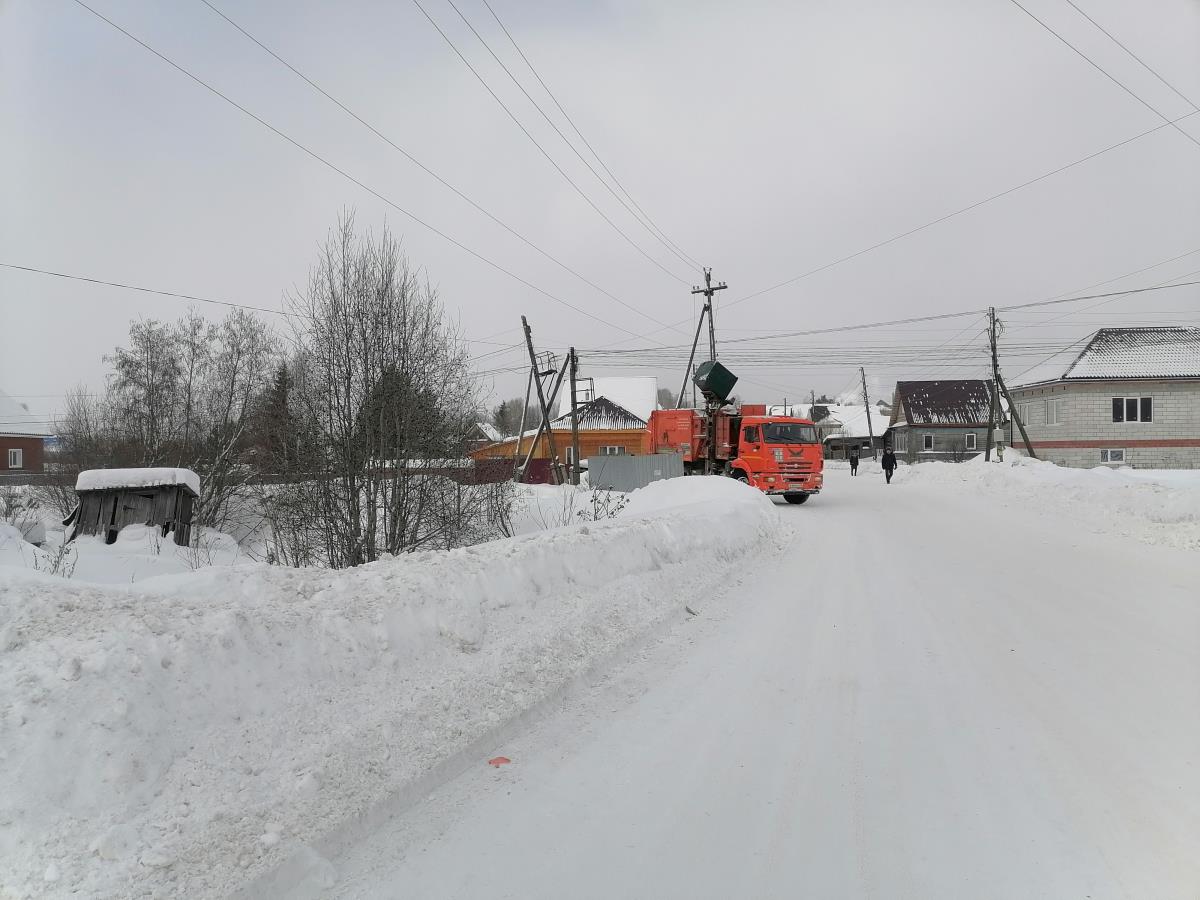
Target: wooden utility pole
column 521, row 431
column 993, row 394
column 575, row 461
column 708, row 290
column 1012, row 411
column 867, row 404
column 555, row 467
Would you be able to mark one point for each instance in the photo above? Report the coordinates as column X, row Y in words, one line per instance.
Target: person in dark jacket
column 854, row 462
column 889, row 464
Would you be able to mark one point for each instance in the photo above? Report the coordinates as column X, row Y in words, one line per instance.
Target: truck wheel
column 741, row 476
column 796, row 498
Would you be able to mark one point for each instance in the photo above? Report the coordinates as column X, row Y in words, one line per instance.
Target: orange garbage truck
column 776, row 454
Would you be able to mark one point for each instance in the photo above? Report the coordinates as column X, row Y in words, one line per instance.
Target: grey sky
column 765, row 139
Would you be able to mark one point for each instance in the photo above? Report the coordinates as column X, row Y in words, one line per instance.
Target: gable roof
column 1152, row 352
column 16, row 419
column 637, row 394
column 489, row 431
column 960, row 402
column 844, row 419
column 601, row 414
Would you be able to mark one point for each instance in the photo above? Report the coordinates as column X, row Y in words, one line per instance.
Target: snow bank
column 1154, row 507
column 178, row 736
column 106, row 479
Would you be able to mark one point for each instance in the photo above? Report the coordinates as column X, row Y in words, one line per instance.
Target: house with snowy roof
column 1130, row 397
column 940, row 420
column 22, row 438
column 605, row 429
column 842, row 427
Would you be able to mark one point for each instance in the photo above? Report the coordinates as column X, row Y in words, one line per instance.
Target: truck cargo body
column 776, row 454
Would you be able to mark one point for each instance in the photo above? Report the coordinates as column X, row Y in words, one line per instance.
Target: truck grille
column 796, row 468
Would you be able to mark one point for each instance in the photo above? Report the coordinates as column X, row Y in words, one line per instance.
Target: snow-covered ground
column 978, row 681
column 946, row 687
column 179, row 735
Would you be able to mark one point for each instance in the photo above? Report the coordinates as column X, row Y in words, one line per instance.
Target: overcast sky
column 765, row 139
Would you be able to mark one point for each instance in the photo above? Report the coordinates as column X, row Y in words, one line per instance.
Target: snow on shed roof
column 110, row 479
column 601, row 414
column 16, row 419
column 959, row 402
column 1152, row 352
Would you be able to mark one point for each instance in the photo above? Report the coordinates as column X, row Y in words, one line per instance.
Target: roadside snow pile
column 1155, row 507
column 139, row 552
column 179, row 736
column 16, row 551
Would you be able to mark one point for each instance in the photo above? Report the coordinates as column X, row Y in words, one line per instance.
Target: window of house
column 570, row 455
column 970, row 440
column 612, row 450
column 1133, row 409
column 1056, row 411
column 16, row 459
column 928, row 442
column 1112, row 456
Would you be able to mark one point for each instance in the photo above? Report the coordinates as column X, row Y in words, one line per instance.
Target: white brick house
column 1131, row 397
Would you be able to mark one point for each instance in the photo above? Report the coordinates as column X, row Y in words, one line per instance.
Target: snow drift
column 180, row 735
column 1154, row 506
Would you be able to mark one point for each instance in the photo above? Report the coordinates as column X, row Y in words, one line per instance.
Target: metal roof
column 601, row 414
column 1163, row 352
column 959, row 402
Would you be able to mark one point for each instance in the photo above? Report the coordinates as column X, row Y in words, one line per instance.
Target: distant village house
column 22, row 438
column 940, row 420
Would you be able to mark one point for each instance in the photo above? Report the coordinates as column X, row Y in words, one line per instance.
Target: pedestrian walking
column 853, row 462
column 889, row 464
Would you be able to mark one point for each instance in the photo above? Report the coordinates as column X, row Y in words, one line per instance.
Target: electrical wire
column 543, row 150
column 1104, row 71
column 658, row 232
column 420, row 165
column 412, row 216
column 1141, row 61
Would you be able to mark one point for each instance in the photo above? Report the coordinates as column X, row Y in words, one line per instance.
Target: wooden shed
column 110, row 499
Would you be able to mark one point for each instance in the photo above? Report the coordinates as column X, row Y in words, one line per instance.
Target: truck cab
column 779, row 455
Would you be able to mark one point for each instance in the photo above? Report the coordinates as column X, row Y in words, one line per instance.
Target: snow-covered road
column 929, row 695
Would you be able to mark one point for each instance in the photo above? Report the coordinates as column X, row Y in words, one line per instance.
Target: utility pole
column 1003, row 388
column 575, row 461
column 867, row 404
column 555, row 467
column 708, row 290
column 993, row 394
column 517, row 473
column 1012, row 409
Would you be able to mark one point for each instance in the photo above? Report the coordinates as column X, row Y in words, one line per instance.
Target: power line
column 1104, row 71
column 354, row 180
column 1143, row 63
column 146, row 290
column 542, row 149
column 957, row 212
column 658, row 232
column 420, row 165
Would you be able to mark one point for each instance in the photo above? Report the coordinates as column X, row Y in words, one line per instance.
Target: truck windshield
column 789, row 433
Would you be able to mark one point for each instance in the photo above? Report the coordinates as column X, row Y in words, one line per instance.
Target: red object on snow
column 499, row 761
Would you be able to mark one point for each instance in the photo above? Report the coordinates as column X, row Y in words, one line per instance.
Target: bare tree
column 384, row 394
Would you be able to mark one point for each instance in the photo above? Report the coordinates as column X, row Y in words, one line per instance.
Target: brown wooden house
column 110, row 499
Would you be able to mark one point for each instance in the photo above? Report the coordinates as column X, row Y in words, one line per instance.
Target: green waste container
column 714, row 380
